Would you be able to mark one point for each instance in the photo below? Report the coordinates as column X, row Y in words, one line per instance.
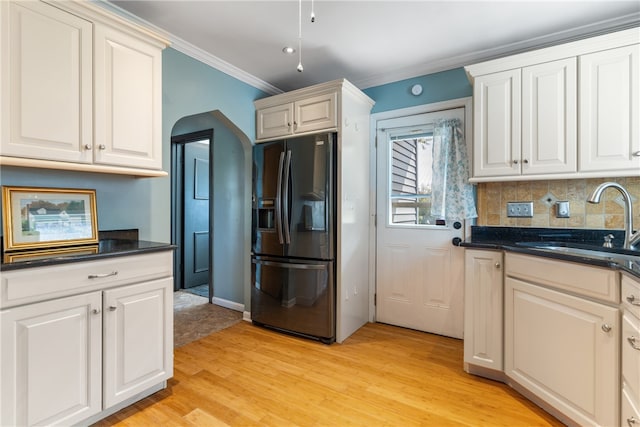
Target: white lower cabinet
column 483, row 321
column 565, row 350
column 137, row 323
column 51, row 361
column 70, row 359
column 630, row 405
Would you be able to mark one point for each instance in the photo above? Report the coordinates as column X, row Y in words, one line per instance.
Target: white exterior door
column 419, row 273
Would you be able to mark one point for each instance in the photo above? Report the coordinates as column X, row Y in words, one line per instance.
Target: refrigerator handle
column 290, row 266
column 285, row 199
column 279, row 200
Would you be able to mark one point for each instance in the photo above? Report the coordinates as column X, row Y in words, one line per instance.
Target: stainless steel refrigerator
column 293, row 236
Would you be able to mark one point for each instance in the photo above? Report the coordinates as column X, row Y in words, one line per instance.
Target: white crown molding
column 193, row 51
column 578, row 33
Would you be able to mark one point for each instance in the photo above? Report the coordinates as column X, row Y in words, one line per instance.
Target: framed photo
column 48, row 217
column 46, row 254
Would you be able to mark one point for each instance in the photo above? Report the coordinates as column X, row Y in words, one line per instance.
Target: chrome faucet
column 631, row 239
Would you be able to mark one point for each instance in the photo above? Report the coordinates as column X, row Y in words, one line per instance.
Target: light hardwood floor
column 381, row 376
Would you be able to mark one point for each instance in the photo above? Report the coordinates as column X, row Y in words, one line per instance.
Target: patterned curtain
column 452, row 197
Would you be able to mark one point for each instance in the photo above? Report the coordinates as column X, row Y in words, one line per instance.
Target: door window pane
column 410, row 180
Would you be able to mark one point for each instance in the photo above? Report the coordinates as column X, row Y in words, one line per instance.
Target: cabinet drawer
column 631, row 354
column 594, row 282
column 630, row 411
column 42, row 283
column 631, row 295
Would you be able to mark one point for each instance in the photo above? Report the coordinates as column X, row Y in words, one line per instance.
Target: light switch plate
column 562, row 209
column 520, row 209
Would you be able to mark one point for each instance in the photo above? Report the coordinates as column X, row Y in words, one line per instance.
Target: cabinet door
column 631, row 355
column 138, row 338
column 46, row 72
column 50, row 361
column 565, row 350
column 315, row 113
column 275, row 121
column 496, row 112
column 483, row 290
column 549, row 118
column 610, row 110
column 128, row 79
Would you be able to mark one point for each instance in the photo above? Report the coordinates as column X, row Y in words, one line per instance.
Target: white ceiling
column 370, row 42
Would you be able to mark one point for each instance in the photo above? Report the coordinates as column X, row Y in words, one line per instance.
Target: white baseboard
column 228, row 304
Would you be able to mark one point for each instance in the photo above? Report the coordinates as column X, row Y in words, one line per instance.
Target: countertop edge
column 68, row 259
column 546, row 254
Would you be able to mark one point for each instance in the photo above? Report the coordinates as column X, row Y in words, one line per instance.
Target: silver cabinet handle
column 606, row 328
column 636, row 154
column 632, row 300
column 631, row 421
column 497, row 265
column 632, row 342
column 102, row 276
column 112, row 308
column 95, row 311
column 102, row 147
column 87, row 146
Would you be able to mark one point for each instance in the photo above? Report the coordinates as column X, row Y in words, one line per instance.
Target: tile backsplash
column 608, row 214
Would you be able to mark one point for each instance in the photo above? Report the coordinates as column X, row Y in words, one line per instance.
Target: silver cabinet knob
column 515, row 162
column 631, row 421
column 632, row 342
column 87, row 146
column 633, row 300
column 102, row 147
column 606, row 328
column 95, row 311
column 497, row 265
column 525, row 161
column 636, row 154
column 112, row 308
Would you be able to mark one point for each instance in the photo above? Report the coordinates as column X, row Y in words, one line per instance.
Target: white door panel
column 420, row 279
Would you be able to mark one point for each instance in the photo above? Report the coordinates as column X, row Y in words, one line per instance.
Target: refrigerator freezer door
column 308, row 198
column 268, row 163
column 294, row 296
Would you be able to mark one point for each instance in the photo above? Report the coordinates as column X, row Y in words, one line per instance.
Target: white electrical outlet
column 520, row 209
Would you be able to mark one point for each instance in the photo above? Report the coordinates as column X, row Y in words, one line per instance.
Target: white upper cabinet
column 306, row 114
column 609, row 110
column 567, row 111
column 496, row 111
column 46, row 73
column 83, row 90
column 128, row 118
column 549, row 117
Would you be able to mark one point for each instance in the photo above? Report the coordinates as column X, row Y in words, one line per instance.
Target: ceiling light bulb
column 300, row 67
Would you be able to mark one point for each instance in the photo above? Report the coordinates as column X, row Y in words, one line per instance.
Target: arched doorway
column 229, row 207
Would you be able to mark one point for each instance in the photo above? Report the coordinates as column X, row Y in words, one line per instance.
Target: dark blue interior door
column 196, row 214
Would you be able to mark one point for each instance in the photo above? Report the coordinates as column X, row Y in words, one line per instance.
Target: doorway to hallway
column 191, row 208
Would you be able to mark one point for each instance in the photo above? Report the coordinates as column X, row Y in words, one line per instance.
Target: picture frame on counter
column 37, row 218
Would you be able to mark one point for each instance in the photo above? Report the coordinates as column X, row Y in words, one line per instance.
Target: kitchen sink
column 595, row 252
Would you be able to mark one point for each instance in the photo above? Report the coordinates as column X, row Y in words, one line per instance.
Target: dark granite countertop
column 112, row 244
column 515, row 239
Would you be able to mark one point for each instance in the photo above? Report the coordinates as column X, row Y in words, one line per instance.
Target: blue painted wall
column 437, row 87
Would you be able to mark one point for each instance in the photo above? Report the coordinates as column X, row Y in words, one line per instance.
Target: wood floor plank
column 381, row 376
